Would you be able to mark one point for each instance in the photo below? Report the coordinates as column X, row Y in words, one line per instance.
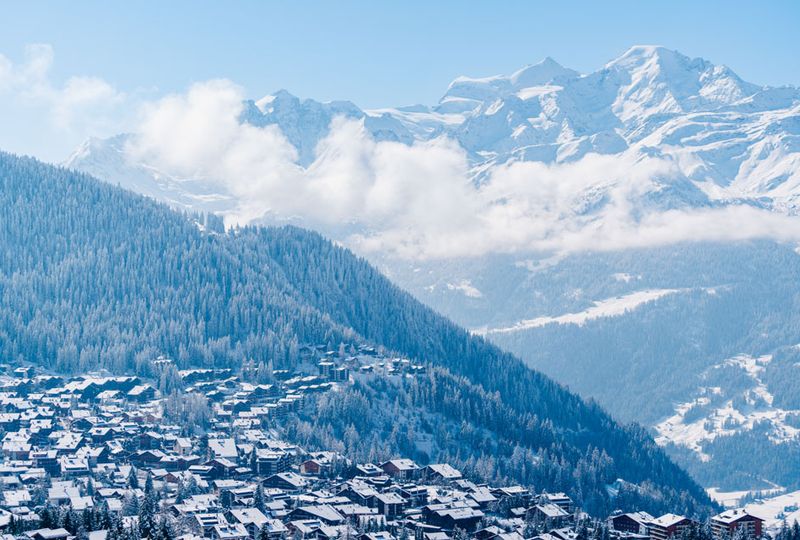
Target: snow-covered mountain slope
column 733, row 139
column 716, row 411
column 305, row 122
column 107, row 159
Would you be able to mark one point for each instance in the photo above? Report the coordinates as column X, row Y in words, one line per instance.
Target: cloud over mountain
column 653, row 149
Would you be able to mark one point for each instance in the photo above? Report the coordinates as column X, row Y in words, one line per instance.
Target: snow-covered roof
column 668, row 520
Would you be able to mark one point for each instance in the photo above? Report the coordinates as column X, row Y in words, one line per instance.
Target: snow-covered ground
column 728, row 499
column 465, row 286
column 732, row 499
column 624, row 277
column 610, row 307
column 775, row 510
column 725, row 418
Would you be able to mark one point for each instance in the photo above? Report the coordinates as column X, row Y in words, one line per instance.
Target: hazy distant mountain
column 697, row 340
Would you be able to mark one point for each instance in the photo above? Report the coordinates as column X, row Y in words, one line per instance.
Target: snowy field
column 732, row 499
column 724, row 418
column 772, row 509
column 610, row 307
column 777, row 509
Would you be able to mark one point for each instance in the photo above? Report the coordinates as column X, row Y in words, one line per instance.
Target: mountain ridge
column 731, row 140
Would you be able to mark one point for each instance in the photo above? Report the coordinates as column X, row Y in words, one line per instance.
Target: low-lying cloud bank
column 418, row 201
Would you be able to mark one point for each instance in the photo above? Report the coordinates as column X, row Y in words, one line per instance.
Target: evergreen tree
column 163, row 530
column 459, row 534
column 581, row 531
column 130, row 505
column 258, row 497
column 148, row 510
column 148, row 485
column 264, row 532
column 133, row 479
column 253, row 461
column 49, row 517
column 181, row 493
column 226, row 499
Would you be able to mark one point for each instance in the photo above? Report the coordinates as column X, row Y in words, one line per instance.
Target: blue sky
column 382, row 53
column 373, row 53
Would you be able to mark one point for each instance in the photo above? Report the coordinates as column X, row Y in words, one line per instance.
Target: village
column 100, row 457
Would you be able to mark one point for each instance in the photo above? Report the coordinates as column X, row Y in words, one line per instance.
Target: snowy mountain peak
column 281, row 98
column 640, row 54
column 730, row 140
column 548, row 71
column 660, row 61
column 466, row 93
column 657, row 80
column 305, row 122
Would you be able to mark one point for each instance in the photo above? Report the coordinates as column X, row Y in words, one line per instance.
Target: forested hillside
column 93, row 276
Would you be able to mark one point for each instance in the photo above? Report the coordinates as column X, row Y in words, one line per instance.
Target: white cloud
column 52, row 117
column 417, row 201
column 354, row 179
column 82, row 96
